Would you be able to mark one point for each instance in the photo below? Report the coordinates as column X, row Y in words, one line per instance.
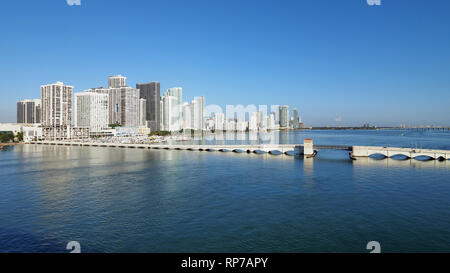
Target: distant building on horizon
column 29, row 111
column 151, row 93
column 284, row 116
column 198, row 107
column 219, row 121
column 295, row 119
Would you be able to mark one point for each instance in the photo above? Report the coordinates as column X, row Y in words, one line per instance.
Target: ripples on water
column 126, row 200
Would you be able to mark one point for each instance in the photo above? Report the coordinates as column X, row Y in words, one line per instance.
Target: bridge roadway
column 366, row 151
column 283, row 148
column 293, row 149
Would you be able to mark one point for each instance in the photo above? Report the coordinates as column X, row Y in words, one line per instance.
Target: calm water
column 127, row 200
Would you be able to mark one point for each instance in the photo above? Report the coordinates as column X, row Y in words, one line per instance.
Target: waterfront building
column 91, row 111
column 151, row 93
column 161, row 114
column 171, row 114
column 264, row 124
column 276, row 112
column 31, row 131
column 123, row 105
column 284, row 116
column 56, row 111
column 260, row 117
column 186, row 121
column 219, row 120
column 241, row 126
column 253, row 122
column 142, row 112
column 175, row 92
column 117, row 81
column 271, row 125
column 230, row 125
column 197, row 108
column 29, row 111
column 209, row 124
column 295, row 119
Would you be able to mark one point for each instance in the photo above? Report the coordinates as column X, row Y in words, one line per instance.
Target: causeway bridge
column 308, row 149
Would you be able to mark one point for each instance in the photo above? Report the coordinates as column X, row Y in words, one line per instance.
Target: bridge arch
column 400, row 156
column 423, row 157
column 378, row 155
column 275, row 152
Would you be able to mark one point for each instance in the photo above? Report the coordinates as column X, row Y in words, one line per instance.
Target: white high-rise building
column 56, row 104
column 142, row 112
column 56, row 112
column 91, row 111
column 123, row 105
column 260, row 117
column 264, row 123
column 253, row 122
column 198, row 110
column 219, row 121
column 230, row 125
column 175, row 92
column 117, row 81
column 186, row 116
column 241, row 126
column 276, row 112
column 271, row 125
column 161, row 113
column 171, row 114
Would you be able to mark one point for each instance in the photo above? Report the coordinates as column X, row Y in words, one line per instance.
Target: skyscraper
column 29, row 111
column 271, row 122
column 186, row 109
column 177, row 112
column 275, row 109
column 123, row 105
column 175, row 92
column 295, row 120
column 91, row 111
column 253, row 122
column 284, row 116
column 142, row 112
column 151, row 92
column 56, row 110
column 117, row 81
column 171, row 121
column 198, row 107
column 219, row 121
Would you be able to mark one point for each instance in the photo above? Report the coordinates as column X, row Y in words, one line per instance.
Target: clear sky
column 340, row 62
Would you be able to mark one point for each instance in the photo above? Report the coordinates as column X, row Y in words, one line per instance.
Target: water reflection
column 395, row 163
column 134, row 200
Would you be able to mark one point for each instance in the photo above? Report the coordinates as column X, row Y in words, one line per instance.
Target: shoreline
column 4, row 145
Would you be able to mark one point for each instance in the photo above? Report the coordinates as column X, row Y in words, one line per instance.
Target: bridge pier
column 307, row 149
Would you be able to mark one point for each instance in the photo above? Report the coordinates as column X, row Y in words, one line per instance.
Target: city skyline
column 118, row 82
column 343, row 68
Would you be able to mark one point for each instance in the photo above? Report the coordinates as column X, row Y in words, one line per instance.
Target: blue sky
column 341, row 62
